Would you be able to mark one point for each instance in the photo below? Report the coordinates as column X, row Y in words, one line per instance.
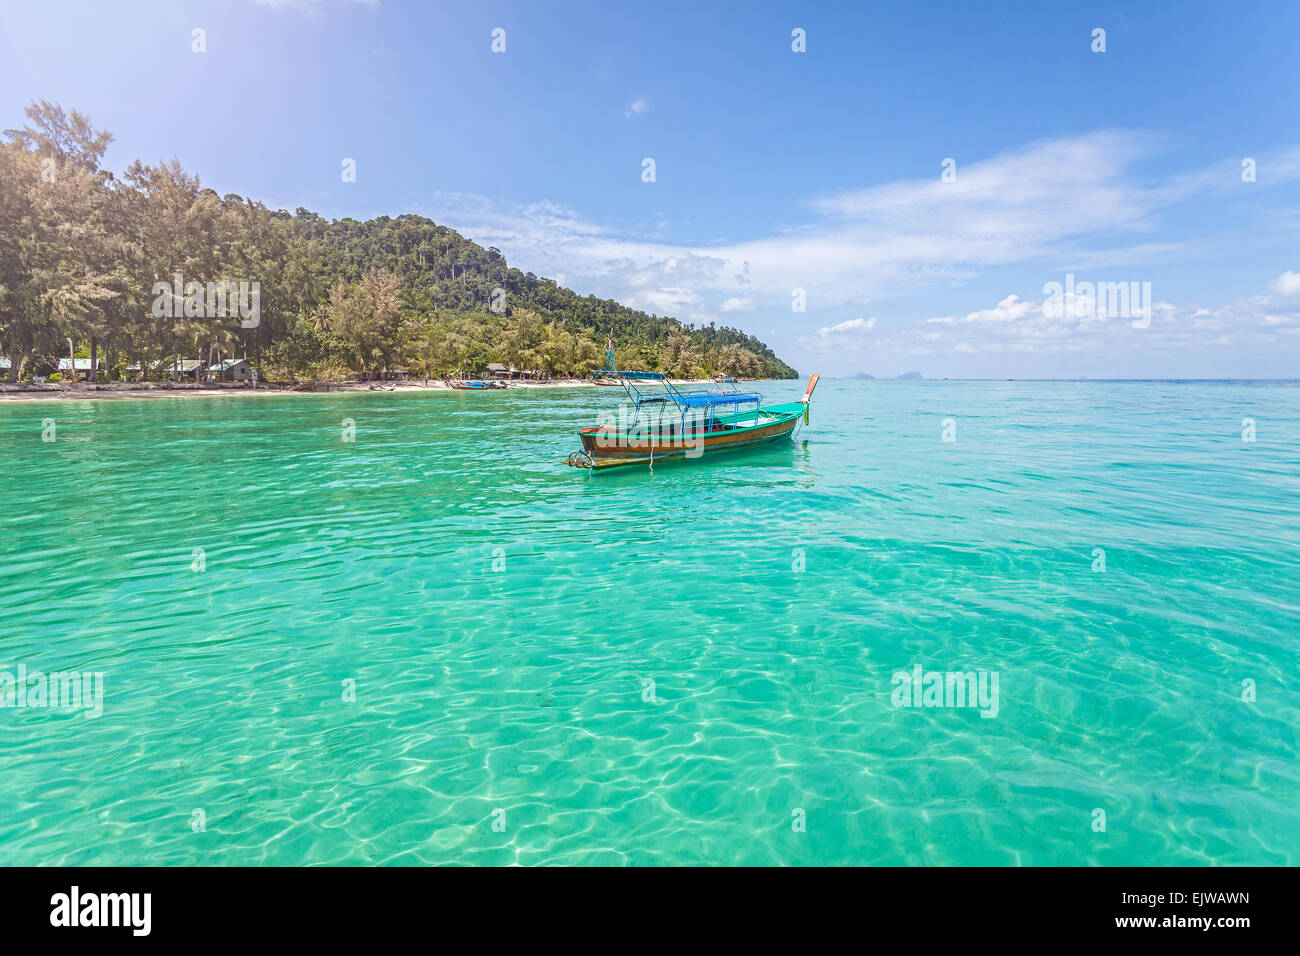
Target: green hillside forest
column 137, row 269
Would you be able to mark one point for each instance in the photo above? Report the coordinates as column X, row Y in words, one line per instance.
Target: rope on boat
column 579, row 459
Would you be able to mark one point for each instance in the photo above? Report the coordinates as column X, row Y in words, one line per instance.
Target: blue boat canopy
column 709, row 399
column 635, row 385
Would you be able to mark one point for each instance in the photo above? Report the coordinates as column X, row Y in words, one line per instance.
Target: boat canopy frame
column 705, row 403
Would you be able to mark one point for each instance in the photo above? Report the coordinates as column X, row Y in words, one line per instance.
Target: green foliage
column 81, row 251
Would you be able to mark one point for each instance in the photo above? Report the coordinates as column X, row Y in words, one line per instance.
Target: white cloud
column 1043, row 190
column 302, row 6
column 1048, row 204
column 850, row 334
column 307, row 6
column 1008, row 310
column 638, row 106
column 670, row 300
column 1025, row 326
column 852, row 325
column 1287, row 284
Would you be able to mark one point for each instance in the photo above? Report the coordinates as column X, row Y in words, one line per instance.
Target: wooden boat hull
column 605, row 447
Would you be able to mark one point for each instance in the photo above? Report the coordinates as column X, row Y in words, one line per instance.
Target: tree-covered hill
column 82, row 253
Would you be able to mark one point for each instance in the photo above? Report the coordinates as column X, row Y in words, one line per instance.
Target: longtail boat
column 689, row 424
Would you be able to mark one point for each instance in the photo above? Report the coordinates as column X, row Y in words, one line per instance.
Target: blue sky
column 775, row 170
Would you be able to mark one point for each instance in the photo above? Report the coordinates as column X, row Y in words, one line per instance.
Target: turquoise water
column 501, row 615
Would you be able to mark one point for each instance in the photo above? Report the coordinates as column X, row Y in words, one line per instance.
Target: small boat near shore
column 688, row 424
column 474, row 384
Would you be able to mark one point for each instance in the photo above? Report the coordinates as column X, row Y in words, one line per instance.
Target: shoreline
column 60, row 392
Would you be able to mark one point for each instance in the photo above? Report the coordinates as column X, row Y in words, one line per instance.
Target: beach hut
column 231, row 370
column 133, row 370
column 81, row 368
column 497, row 370
column 188, row 368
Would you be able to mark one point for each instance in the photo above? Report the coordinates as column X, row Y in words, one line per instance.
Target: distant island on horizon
column 905, row 377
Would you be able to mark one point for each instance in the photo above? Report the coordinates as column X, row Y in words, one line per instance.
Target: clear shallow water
column 521, row 687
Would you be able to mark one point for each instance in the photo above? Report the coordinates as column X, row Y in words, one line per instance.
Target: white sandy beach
column 83, row 391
